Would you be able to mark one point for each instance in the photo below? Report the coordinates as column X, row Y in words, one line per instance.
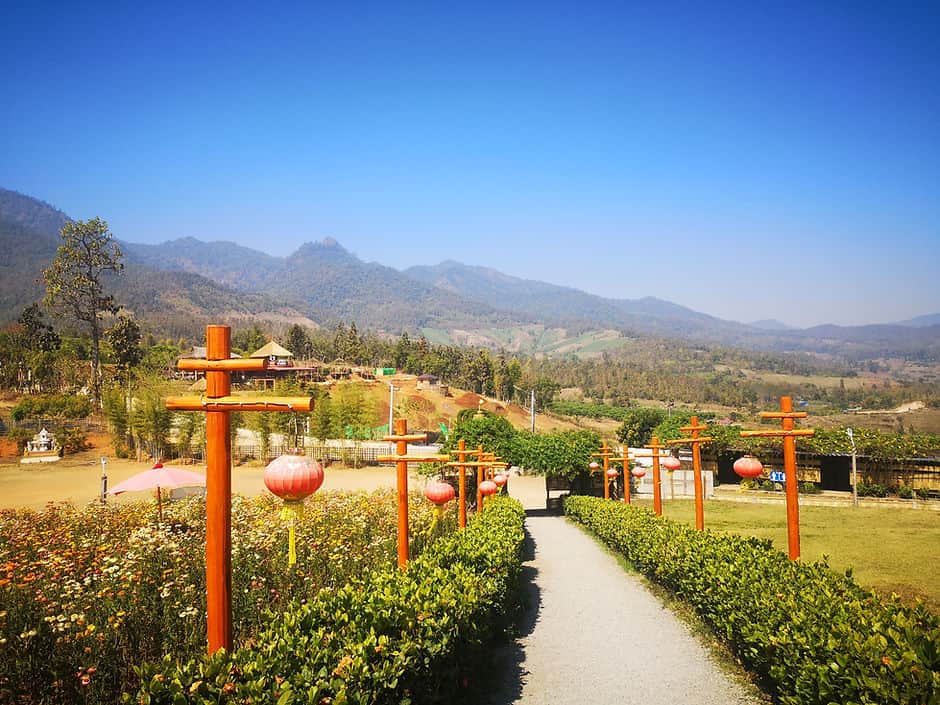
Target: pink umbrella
column 157, row 477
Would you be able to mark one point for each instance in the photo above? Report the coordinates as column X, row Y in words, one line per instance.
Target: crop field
column 889, row 549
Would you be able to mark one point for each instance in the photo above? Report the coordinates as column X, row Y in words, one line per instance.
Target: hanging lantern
column 638, row 471
column 488, row 487
column 670, row 463
column 293, row 478
column 612, row 473
column 593, row 465
column 748, row 466
column 440, row 493
column 500, row 479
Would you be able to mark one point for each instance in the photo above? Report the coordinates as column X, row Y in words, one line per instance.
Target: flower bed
column 393, row 637
column 815, row 637
column 87, row 594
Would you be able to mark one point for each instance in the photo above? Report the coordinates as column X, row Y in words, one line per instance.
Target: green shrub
column 21, row 436
column 809, row 488
column 814, row 637
column 395, row 637
column 60, row 406
column 767, row 485
column 72, row 440
column 905, row 491
column 922, row 493
column 872, row 490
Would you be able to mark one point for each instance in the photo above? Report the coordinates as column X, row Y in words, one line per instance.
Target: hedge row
column 395, row 637
column 815, row 637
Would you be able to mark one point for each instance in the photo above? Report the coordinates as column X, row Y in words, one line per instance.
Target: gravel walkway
column 594, row 634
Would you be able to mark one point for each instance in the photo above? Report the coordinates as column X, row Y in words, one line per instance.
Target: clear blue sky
column 751, row 160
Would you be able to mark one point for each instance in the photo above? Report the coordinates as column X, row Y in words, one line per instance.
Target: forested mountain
column 179, row 285
column 171, row 303
column 572, row 307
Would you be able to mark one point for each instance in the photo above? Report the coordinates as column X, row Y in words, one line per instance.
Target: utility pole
column 851, row 436
column 532, row 408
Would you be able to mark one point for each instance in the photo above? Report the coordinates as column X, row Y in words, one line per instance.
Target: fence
column 351, row 454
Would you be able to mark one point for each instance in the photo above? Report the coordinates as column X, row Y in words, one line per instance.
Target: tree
column 493, row 432
column 637, row 428
column 247, row 341
column 75, row 282
column 298, row 342
column 567, row 453
column 152, row 422
column 124, row 337
column 37, row 336
column 545, row 392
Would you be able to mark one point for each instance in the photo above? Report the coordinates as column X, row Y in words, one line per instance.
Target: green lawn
column 888, row 549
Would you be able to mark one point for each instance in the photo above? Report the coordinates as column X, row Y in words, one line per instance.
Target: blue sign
column 777, row 476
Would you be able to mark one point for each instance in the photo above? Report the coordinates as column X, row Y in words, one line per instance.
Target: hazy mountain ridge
column 174, row 302
column 184, row 283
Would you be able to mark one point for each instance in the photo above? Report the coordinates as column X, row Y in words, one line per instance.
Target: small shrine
column 41, row 449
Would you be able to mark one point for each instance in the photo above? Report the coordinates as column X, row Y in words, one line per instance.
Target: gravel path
column 594, row 634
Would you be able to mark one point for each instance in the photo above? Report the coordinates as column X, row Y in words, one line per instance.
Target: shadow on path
column 507, row 672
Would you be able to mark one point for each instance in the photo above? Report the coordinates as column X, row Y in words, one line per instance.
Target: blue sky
column 752, row 160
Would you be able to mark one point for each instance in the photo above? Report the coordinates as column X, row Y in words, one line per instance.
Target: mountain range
column 178, row 286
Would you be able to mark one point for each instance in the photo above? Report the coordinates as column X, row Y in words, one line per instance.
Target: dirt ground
column 79, row 481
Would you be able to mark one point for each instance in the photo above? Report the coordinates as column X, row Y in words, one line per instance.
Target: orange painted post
column 786, row 415
column 401, row 460
column 605, row 454
column 218, row 404
column 625, row 459
column 462, row 484
column 655, row 448
column 695, row 441
column 481, row 470
column 218, row 497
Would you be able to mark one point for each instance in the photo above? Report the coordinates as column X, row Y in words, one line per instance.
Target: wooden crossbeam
column 231, row 403
column 231, row 364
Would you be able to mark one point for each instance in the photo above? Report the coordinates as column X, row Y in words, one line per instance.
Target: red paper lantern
column 593, row 465
column 293, row 477
column 670, row 463
column 612, row 473
column 440, row 493
column 638, row 471
column 748, row 466
column 500, row 479
column 488, row 487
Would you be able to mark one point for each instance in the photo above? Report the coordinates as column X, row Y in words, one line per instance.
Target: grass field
column 889, row 549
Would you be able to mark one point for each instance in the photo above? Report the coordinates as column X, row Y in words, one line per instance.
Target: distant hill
column 181, row 284
column 572, row 307
column 174, row 303
column 931, row 319
column 770, row 324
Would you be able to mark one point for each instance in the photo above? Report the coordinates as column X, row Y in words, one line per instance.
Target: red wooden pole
column 698, row 479
column 401, row 448
column 218, row 498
